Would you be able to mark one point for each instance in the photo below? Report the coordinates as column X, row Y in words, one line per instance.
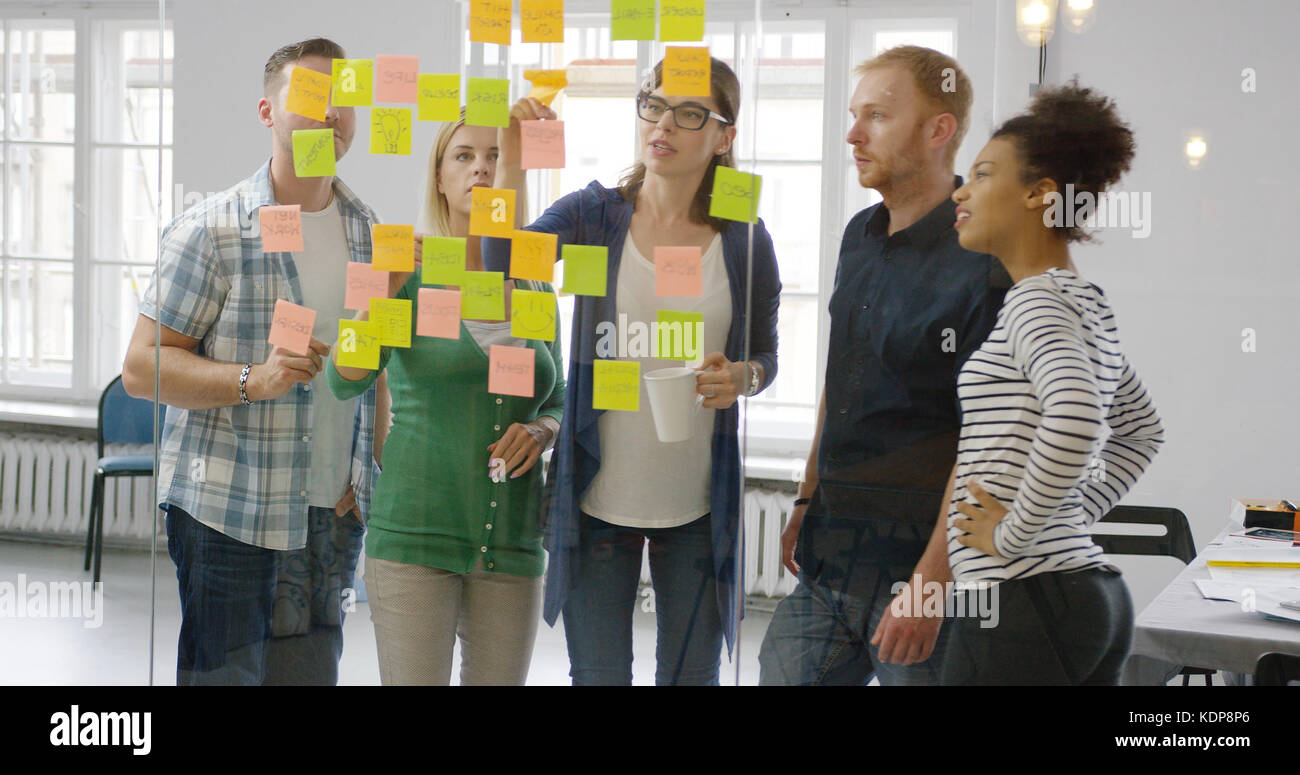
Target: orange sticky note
column 492, row 212
column 541, row 145
column 687, row 70
column 489, row 21
column 309, row 93
column 281, row 227
column 394, row 247
column 532, row 256
column 439, row 313
column 364, row 283
column 677, row 272
column 397, row 79
column 542, row 20
column 546, row 84
column 291, row 326
column 510, row 370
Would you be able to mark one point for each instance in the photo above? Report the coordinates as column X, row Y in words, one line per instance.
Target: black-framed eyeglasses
column 687, row 115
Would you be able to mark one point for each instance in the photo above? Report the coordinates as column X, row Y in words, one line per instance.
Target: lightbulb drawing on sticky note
column 390, row 131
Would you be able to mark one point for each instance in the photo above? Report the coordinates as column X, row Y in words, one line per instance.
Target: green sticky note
column 313, row 152
column 488, row 103
column 632, row 20
column 735, row 195
column 358, row 344
column 392, row 319
column 390, row 131
column 439, row 96
column 443, row 262
column 681, row 20
column 679, row 336
column 616, row 385
column 354, row 83
column 532, row 315
column 585, row 268
column 482, row 296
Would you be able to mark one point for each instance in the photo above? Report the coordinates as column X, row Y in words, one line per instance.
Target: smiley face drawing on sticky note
column 532, row 315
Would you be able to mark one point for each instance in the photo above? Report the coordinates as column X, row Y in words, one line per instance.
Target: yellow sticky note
column 309, row 93
column 358, row 344
column 616, row 385
column 679, row 336
column 532, row 256
column 488, row 102
column 313, row 152
column 443, row 261
column 489, row 21
column 546, row 84
column 687, row 70
column 681, row 20
column 532, row 315
column 482, row 296
column 632, row 20
column 390, row 131
column 354, row 82
column 492, row 212
column 439, row 97
column 392, row 319
column 393, row 247
column 586, row 269
column 735, row 195
column 542, row 20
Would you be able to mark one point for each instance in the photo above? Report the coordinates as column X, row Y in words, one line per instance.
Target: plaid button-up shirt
column 243, row 470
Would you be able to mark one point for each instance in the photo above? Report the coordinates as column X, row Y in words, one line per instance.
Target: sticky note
column 735, row 195
column 532, row 315
column 510, row 370
column 546, row 84
column 393, row 247
column 532, row 256
column 439, row 313
column 679, row 336
column 390, row 131
column 309, row 93
column 358, row 344
column 392, row 319
column 354, row 82
column 482, row 296
column 542, row 20
column 687, row 70
column 677, row 272
column 681, row 20
column 616, row 385
column 585, row 269
column 492, row 212
column 632, row 20
column 439, row 97
column 489, row 21
column 281, row 227
column 541, row 145
column 396, row 79
column 291, row 326
column 443, row 261
column 364, row 284
column 313, row 152
column 488, row 102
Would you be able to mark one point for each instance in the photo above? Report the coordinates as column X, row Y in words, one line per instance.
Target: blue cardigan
column 600, row 216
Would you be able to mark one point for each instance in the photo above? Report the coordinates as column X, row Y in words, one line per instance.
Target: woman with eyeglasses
column 613, row 486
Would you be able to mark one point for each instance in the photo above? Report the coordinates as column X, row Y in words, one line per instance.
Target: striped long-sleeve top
column 1055, row 424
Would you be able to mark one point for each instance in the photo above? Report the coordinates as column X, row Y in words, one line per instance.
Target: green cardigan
column 435, row 503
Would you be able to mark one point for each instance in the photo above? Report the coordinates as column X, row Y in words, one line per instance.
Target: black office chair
column 122, row 420
column 1276, row 669
column 1176, row 542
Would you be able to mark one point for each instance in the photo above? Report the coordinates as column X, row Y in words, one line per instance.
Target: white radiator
column 45, row 487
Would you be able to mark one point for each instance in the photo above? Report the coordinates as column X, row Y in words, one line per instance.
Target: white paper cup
column 673, row 402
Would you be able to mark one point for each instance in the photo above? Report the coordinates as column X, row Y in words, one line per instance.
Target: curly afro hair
column 1072, row 135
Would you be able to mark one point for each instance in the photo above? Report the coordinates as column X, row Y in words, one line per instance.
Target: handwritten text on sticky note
column 443, row 260
column 393, row 247
column 532, row 256
column 354, row 82
column 735, row 195
column 616, row 385
column 393, row 318
column 439, row 97
column 585, row 269
column 364, row 284
column 542, row 21
column 281, row 227
column 541, row 145
column 687, row 70
column 492, row 212
column 482, row 296
column 681, row 20
column 632, row 20
column 313, row 152
column 488, row 102
column 291, row 326
column 358, row 344
column 677, row 271
column 510, row 370
column 395, row 79
column 532, row 315
column 489, row 21
column 439, row 313
column 309, row 93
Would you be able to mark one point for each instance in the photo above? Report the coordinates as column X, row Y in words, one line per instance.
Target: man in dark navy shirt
column 909, row 306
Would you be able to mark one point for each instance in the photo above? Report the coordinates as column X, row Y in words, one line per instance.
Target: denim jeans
column 598, row 612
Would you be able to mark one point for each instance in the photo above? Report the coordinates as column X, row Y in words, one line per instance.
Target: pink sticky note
column 281, row 227
column 510, row 370
column 397, row 79
column 439, row 314
column 541, row 145
column 677, row 272
column 291, row 326
column 364, row 284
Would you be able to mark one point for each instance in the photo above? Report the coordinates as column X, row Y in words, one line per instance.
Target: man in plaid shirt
column 265, row 476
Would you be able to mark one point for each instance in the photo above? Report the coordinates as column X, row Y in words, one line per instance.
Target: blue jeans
column 598, row 612
column 821, row 637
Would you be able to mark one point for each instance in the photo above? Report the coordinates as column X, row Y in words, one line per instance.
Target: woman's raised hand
column 508, row 142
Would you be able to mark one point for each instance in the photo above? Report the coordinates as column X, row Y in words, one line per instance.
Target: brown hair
column 437, row 213
column 726, row 92
column 319, row 47
column 939, row 79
